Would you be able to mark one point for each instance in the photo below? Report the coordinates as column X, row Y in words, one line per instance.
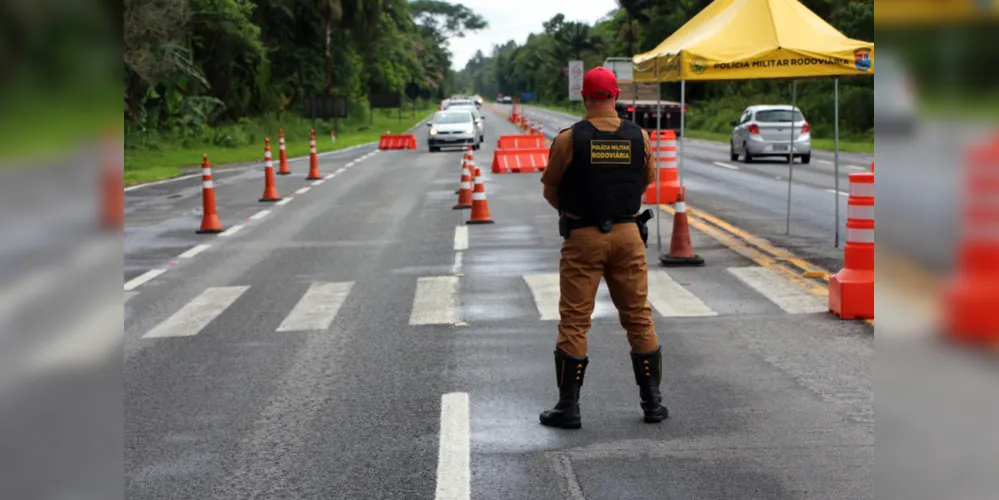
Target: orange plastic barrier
column 404, row 141
column 851, row 290
column 520, row 161
column 521, row 141
column 669, row 176
column 972, row 298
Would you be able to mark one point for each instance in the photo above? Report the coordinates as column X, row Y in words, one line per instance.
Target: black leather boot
column 648, row 375
column 569, row 372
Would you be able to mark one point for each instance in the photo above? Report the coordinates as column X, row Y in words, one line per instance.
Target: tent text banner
column 693, row 67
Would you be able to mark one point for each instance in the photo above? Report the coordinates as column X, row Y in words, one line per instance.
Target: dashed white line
column 303, row 190
column 827, row 162
column 232, row 230
column 260, row 215
column 328, row 177
column 454, row 456
column 351, row 164
column 461, row 238
column 141, row 279
column 341, row 170
column 196, row 250
column 726, row 165
column 456, row 268
column 841, row 193
column 284, row 202
column 319, row 182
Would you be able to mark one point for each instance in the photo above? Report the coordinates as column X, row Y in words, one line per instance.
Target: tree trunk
column 631, row 37
column 328, row 55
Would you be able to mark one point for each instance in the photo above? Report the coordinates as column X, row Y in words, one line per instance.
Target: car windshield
column 777, row 115
column 453, row 118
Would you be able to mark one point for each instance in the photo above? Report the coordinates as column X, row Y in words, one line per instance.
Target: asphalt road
column 362, row 342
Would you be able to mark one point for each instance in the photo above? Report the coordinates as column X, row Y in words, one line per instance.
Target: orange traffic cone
column 480, row 207
column 541, row 128
column 533, row 127
column 113, row 186
column 270, row 190
column 210, row 220
column 465, row 193
column 680, row 252
column 467, row 159
column 282, row 155
column 314, row 174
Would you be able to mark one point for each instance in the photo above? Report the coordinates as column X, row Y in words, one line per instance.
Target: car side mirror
column 430, row 124
column 733, row 123
column 482, row 118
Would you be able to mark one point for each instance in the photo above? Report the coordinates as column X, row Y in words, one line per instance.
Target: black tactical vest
column 605, row 179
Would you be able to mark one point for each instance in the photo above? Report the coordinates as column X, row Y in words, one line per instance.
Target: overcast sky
column 515, row 19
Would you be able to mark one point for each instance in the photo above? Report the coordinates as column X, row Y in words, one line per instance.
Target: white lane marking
column 841, row 193
column 461, row 238
column 827, row 162
column 545, row 290
column 196, row 250
column 328, row 177
column 284, row 202
column 351, row 164
column 196, row 315
column 319, row 182
column 129, row 296
column 726, row 165
column 341, row 170
column 855, row 167
column 435, row 301
column 788, row 296
column 232, row 230
column 673, row 300
column 454, row 455
column 141, row 279
column 260, row 215
column 458, row 257
column 303, row 190
column 86, row 342
column 317, row 309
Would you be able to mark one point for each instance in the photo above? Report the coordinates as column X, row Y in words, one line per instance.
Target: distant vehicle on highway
column 765, row 130
column 894, row 97
column 504, row 100
column 478, row 100
column 445, row 103
column 453, row 128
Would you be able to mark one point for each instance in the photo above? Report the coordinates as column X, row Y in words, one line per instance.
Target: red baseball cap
column 600, row 83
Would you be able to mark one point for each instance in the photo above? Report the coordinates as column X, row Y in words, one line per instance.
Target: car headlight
column 433, row 131
column 470, row 130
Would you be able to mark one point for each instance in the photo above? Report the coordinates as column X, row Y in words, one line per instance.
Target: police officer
column 597, row 172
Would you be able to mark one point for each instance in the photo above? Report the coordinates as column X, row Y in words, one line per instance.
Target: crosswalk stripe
column 673, row 300
column 545, row 290
column 317, row 309
column 436, row 301
column 196, row 315
column 788, row 296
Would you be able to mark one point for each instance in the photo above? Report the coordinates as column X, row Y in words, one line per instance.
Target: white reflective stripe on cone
column 466, row 172
column 267, row 155
column 206, row 171
column 208, row 185
column 466, row 185
column 478, row 196
column 854, row 235
column 269, row 164
column 681, row 207
column 862, row 189
column 478, row 179
column 861, row 212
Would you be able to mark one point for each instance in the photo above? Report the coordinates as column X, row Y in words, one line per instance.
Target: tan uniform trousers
column 618, row 257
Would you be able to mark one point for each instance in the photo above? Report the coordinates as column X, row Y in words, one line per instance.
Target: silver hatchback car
column 453, row 128
column 766, row 130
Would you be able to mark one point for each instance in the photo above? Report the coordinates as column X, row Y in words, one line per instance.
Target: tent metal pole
column 790, row 155
column 836, row 153
column 683, row 134
column 659, row 238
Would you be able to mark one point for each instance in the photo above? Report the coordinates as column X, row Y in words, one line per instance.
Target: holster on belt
column 643, row 228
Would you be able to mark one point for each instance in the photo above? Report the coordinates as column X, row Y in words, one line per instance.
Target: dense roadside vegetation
column 220, row 75
column 539, row 66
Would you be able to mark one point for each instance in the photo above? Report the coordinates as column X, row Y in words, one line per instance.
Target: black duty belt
column 604, row 225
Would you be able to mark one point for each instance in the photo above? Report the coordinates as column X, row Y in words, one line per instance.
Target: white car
column 766, row 130
column 453, row 128
column 480, row 121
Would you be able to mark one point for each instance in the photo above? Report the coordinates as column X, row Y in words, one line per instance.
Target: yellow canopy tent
column 756, row 39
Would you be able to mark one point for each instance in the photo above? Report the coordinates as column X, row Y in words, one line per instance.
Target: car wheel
column 748, row 157
column 434, row 149
column 806, row 158
column 482, row 138
column 732, row 155
column 477, row 146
